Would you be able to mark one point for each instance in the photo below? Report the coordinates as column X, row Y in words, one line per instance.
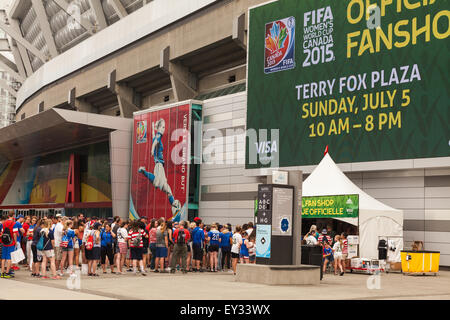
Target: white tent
column 375, row 218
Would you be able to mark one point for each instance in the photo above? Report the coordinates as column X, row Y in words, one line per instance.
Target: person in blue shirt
column 107, row 240
column 198, row 237
column 158, row 177
column 67, row 245
column 18, row 225
column 243, row 252
column 225, row 247
column 327, row 256
column 214, row 242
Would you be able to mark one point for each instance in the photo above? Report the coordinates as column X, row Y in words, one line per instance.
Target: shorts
column 67, row 249
column 6, row 252
column 329, row 258
column 123, row 248
column 46, row 253
column 161, row 252
column 94, row 254
column 144, row 250
column 36, row 258
column 213, row 248
column 252, row 258
column 234, row 255
column 344, row 256
column 242, row 256
column 58, row 253
column 198, row 251
column 337, row 255
column 136, row 253
column 76, row 244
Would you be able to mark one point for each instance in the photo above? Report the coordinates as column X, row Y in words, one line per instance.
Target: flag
column 326, row 151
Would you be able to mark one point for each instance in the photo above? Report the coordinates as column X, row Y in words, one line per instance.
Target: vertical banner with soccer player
column 160, row 163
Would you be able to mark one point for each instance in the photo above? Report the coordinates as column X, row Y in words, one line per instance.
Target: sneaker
column 56, row 277
column 7, row 276
column 156, row 271
column 172, row 271
column 130, row 270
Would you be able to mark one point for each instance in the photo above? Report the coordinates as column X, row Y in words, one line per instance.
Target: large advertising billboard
column 367, row 78
column 160, row 163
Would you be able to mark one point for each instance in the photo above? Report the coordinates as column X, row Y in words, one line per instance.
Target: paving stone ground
column 157, row 287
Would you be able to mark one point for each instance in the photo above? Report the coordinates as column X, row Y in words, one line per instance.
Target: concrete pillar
column 295, row 179
column 239, row 31
column 184, row 83
column 120, row 159
column 78, row 104
column 124, row 96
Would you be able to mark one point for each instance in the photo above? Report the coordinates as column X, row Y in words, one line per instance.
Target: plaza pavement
column 197, row 286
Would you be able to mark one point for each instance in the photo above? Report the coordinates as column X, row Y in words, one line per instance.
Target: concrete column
column 78, row 104
column 120, row 159
column 295, row 179
column 239, row 31
column 124, row 96
column 184, row 83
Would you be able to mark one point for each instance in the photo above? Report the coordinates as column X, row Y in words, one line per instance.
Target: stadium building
column 87, row 65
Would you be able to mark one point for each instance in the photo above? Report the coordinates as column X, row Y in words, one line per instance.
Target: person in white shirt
column 58, row 233
column 122, row 241
column 311, row 239
column 337, row 252
column 235, row 247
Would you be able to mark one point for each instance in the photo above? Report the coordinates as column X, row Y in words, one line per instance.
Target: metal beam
column 18, row 60
column 118, row 8
column 97, row 8
column 42, row 18
column 18, row 37
column 21, row 49
column 7, row 87
column 81, row 20
column 10, row 67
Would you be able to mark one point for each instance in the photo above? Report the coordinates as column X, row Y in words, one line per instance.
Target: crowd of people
column 61, row 245
column 334, row 247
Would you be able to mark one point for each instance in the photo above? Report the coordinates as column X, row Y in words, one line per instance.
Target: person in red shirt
column 181, row 237
column 9, row 238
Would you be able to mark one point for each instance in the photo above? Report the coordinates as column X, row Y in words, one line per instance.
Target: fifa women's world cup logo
column 279, row 45
column 141, row 132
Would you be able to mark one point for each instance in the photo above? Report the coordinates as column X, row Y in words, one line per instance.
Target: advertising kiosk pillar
column 275, row 224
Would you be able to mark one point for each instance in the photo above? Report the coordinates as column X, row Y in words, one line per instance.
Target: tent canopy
column 375, row 218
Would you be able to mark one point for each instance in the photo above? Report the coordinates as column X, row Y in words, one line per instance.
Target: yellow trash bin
column 420, row 262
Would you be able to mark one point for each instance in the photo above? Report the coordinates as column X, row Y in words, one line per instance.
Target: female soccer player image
column 158, row 177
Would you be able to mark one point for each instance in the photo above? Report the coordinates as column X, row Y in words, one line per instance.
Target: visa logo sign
column 266, row 147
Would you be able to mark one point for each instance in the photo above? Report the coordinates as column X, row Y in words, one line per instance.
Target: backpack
column 90, row 242
column 137, row 240
column 6, row 236
column 40, row 245
column 181, row 237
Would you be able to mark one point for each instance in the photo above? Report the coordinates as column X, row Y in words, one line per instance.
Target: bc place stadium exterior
column 88, row 67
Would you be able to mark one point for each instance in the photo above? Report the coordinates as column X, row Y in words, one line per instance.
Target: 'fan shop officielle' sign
column 340, row 206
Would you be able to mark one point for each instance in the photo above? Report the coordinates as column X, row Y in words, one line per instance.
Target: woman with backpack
column 93, row 249
column 136, row 243
column 45, row 247
column 67, row 245
column 37, row 259
column 162, row 244
column 107, row 239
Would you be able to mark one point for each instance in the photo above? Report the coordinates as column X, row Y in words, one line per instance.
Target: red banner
column 160, row 163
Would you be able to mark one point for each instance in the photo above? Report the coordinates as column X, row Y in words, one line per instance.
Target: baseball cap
column 324, row 231
column 58, row 215
column 197, row 219
column 20, row 216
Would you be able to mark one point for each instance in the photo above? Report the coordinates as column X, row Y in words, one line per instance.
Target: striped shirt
column 133, row 235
